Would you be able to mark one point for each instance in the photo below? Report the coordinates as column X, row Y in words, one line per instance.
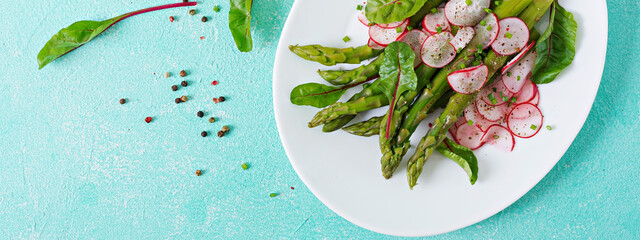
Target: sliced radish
column 463, row 37
column 432, row 21
column 460, row 14
column 374, row 45
column 489, row 31
column 426, row 32
column 497, row 90
column 491, row 113
column 468, row 80
column 516, row 77
column 437, row 50
column 472, row 116
column 469, row 136
column 512, row 38
column 525, row 120
column 527, row 92
column 536, row 99
column 394, row 25
column 454, row 128
column 384, row 36
column 415, row 39
column 517, row 58
column 363, row 19
column 500, row 137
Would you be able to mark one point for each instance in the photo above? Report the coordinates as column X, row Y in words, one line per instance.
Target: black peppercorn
column 192, row 12
column 225, row 129
column 123, row 101
column 183, row 73
column 178, row 100
column 200, row 114
column 174, row 88
column 204, row 19
column 203, row 133
column 184, row 83
column 220, row 134
column 198, row 172
column 221, row 99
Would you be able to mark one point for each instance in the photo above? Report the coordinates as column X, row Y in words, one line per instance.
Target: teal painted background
column 75, row 164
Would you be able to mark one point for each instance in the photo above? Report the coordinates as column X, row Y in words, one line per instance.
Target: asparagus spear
column 394, row 150
column 331, row 56
column 459, row 102
column 366, row 128
column 345, row 77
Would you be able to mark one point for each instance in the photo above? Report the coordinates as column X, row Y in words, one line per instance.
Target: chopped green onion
column 466, row 58
column 498, row 3
column 273, row 195
column 346, row 39
column 488, row 10
column 434, row 10
column 514, row 99
column 476, row 63
column 549, row 128
column 470, row 123
column 496, row 136
column 462, row 66
column 483, row 22
column 494, row 89
column 479, row 46
column 508, row 74
column 508, row 35
column 468, row 2
column 459, row 50
column 439, row 29
column 534, row 127
column 359, row 7
column 398, row 29
column 245, row 166
column 216, row 9
column 493, row 99
column 409, row 28
column 489, row 28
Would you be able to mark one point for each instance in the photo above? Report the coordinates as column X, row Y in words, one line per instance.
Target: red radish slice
column 516, row 77
column 432, row 21
column 394, row 25
column 472, row 116
column 517, row 58
column 437, row 51
column 374, row 45
column 415, row 39
column 463, row 37
column 489, row 31
column 527, row 93
column 384, row 36
column 468, row 80
column 535, row 99
column 491, row 113
column 469, row 136
column 460, row 14
column 363, row 19
column 497, row 90
column 512, row 38
column 453, row 129
column 525, row 120
column 426, row 32
column 500, row 137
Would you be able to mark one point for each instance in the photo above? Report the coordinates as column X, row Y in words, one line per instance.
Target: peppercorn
column 184, row 1
column 178, row 100
column 204, row 19
column 221, row 99
column 192, row 12
column 148, row 119
column 200, row 114
column 184, row 83
column 220, row 134
column 171, row 18
column 225, row 129
column 123, row 101
column 212, row 120
column 166, row 74
column 183, row 73
column 198, row 172
column 184, row 98
column 174, row 88
column 203, row 134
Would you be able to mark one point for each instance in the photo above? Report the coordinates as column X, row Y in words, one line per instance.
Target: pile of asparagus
column 413, row 106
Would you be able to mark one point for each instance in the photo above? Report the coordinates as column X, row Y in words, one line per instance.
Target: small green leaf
column 556, row 47
column 316, row 95
column 240, row 23
column 461, row 155
column 388, row 11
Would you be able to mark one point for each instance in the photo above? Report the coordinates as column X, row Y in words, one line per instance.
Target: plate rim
column 472, row 221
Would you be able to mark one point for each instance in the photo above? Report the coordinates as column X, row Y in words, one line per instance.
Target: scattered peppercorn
column 174, row 88
column 200, row 114
column 203, row 134
column 192, row 12
column 245, row 166
column 220, row 134
column 148, row 119
column 204, row 19
column 184, row 83
column 178, row 100
column 167, row 74
column 225, row 129
column 212, row 120
column 171, row 18
column 215, row 100
column 221, row 99
column 183, row 73
column 184, row 98
column 291, row 187
column 214, row 83
column 184, row 1
column 198, row 172
column 123, row 101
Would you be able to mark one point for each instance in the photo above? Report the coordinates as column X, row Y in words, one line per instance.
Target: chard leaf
column 462, row 155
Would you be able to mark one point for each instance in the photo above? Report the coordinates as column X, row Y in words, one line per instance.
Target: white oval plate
column 343, row 171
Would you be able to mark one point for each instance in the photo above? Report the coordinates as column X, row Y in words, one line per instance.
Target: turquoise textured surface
column 75, row 164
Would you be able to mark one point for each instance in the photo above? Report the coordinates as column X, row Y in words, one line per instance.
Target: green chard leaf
column 462, row 155
column 556, row 47
column 396, row 72
column 318, row 95
column 81, row 32
column 388, row 11
column 240, row 23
